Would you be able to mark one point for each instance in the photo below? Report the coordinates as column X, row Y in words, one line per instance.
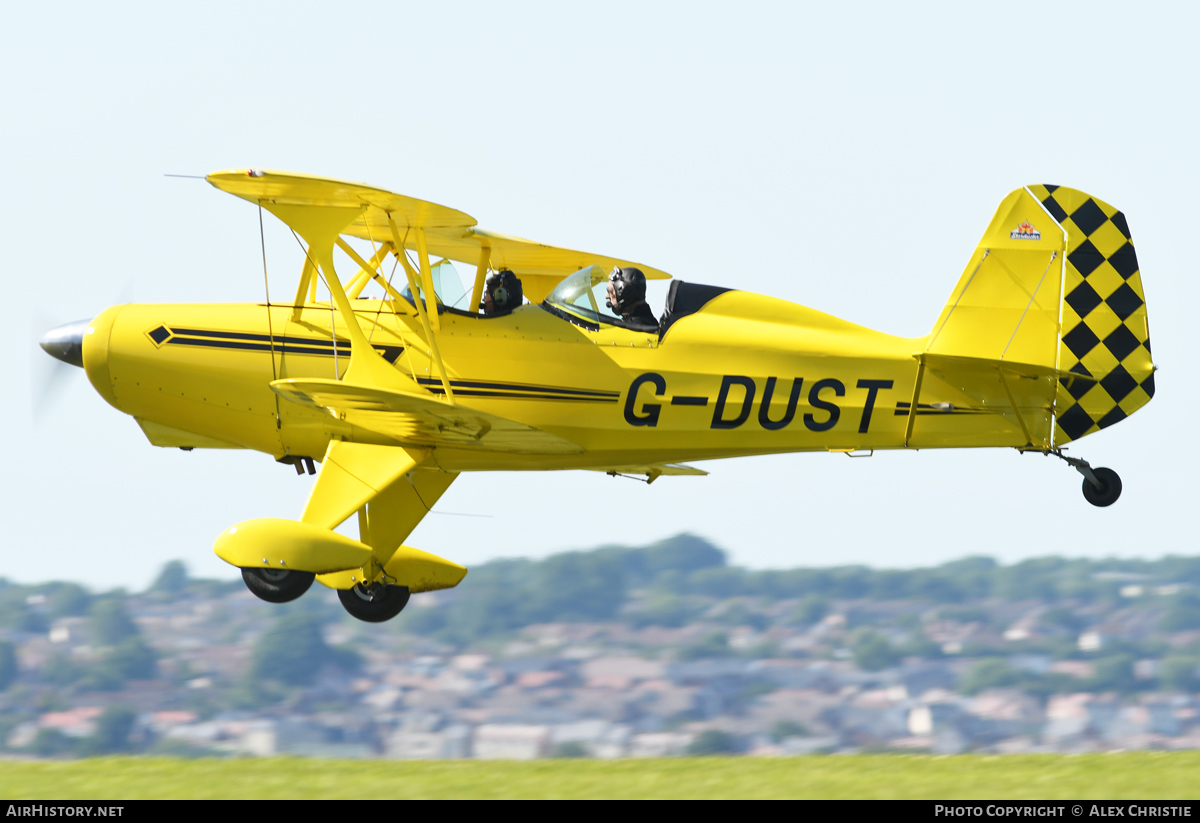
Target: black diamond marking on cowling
column 1083, row 299
column 1121, row 342
column 160, row 334
column 1086, row 258
column 280, row 344
column 1077, row 388
column 1148, row 385
column 1056, row 211
column 1124, row 301
column 1146, row 343
column 1081, row 340
column 1118, row 220
column 1089, row 217
column 1075, row 422
column 1114, row 416
column 1050, row 188
column 1118, row 383
column 1079, row 368
column 1124, row 261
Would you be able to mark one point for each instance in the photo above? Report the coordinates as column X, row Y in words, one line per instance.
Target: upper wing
column 420, row 420
column 449, row 233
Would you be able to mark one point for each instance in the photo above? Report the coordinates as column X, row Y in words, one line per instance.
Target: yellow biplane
column 1043, row 341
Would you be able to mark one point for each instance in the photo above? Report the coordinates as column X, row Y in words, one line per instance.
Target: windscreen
column 583, row 295
column 447, row 287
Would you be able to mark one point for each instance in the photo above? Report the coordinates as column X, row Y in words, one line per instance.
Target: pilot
column 627, row 297
column 501, row 294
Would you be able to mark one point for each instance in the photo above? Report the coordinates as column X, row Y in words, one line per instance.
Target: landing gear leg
column 1101, row 486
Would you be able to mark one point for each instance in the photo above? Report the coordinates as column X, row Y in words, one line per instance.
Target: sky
column 843, row 156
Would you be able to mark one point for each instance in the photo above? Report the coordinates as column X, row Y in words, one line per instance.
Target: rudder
column 1104, row 331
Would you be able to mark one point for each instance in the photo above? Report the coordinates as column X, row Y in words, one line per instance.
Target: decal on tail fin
column 1104, row 332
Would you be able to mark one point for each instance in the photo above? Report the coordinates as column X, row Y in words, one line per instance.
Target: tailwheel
column 1101, row 487
column 374, row 603
column 277, row 585
column 1108, row 490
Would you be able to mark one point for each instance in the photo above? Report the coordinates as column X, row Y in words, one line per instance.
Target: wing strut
column 424, row 307
column 302, row 291
column 320, row 226
column 481, row 271
column 368, row 272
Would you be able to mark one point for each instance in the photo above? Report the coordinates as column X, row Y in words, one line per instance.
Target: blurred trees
column 112, row 732
column 988, row 673
column 172, row 579
column 783, row 729
column 873, row 652
column 1180, row 673
column 1114, row 673
column 8, row 664
column 1183, row 613
column 109, row 623
column 293, row 651
column 68, row 600
column 713, row 741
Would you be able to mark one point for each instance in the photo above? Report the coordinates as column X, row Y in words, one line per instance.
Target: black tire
column 277, row 585
column 374, row 604
column 1109, row 491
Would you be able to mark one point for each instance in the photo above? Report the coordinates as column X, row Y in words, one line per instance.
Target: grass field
column 1137, row 775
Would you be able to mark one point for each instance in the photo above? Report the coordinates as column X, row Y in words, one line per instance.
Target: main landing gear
column 1101, row 486
column 373, row 603
column 277, row 585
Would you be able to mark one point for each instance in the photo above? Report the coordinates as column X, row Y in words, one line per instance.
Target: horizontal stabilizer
column 1021, row 393
column 421, row 420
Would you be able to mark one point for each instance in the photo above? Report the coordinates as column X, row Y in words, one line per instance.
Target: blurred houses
column 682, row 654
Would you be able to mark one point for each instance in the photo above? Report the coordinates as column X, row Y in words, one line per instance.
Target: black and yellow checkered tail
column 1104, row 336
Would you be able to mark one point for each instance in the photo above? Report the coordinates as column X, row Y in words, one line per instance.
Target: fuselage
column 744, row 375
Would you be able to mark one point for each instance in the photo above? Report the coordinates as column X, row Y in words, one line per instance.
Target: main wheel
column 277, row 585
column 1109, row 490
column 374, row 604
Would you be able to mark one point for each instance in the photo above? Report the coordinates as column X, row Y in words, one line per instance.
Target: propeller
column 51, row 375
column 63, row 343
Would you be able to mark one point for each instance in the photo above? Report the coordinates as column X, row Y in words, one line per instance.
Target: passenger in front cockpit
column 501, row 294
column 627, row 297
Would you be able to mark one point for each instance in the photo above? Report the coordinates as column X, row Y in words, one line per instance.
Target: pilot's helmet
column 629, row 289
column 505, row 289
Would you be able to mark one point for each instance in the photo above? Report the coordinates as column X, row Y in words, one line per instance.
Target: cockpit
column 581, row 299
